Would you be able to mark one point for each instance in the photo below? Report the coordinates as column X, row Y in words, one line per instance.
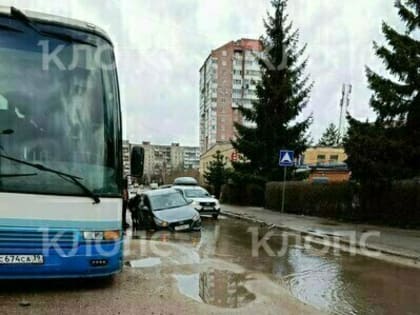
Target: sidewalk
column 396, row 245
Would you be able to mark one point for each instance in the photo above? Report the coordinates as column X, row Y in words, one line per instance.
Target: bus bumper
column 84, row 261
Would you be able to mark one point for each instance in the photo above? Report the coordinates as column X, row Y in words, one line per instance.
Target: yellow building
column 225, row 149
column 316, row 155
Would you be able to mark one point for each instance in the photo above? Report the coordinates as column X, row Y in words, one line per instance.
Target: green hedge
column 395, row 205
column 246, row 195
column 333, row 200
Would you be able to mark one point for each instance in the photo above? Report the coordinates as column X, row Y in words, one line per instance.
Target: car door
column 146, row 213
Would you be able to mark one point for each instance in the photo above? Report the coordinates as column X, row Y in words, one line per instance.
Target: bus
column 61, row 175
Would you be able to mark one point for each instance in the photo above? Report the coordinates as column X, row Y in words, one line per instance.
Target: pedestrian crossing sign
column 286, row 158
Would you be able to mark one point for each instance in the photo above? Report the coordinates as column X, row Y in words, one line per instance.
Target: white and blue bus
column 60, row 149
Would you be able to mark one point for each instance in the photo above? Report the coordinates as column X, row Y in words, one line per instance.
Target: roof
column 185, row 181
column 189, row 187
column 59, row 21
column 158, row 192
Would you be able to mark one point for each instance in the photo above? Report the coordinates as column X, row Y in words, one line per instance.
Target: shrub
column 333, row 200
column 395, row 205
column 247, row 194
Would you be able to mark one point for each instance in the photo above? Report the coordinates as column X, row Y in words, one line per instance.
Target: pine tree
column 389, row 148
column 282, row 95
column 331, row 137
column 217, row 173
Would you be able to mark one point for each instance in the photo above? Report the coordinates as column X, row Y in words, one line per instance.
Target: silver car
column 202, row 201
column 166, row 209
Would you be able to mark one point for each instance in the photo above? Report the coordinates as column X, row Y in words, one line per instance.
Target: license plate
column 21, row 259
column 208, row 208
column 182, row 227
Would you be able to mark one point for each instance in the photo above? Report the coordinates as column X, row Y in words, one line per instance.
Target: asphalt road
column 217, row 272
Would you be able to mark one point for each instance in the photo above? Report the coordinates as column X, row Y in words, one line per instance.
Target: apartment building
column 191, row 158
column 160, row 161
column 228, row 79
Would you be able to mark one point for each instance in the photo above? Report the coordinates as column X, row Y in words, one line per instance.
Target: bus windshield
column 59, row 107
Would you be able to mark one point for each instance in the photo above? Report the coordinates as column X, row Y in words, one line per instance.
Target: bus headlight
column 102, row 235
column 93, row 236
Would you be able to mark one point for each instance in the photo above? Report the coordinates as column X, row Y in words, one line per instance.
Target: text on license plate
column 182, row 227
column 21, row 259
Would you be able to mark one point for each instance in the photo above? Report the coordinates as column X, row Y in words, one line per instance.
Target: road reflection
column 339, row 284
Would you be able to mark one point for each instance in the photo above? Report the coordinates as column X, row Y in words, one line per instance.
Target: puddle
column 145, row 263
column 216, row 287
column 335, row 283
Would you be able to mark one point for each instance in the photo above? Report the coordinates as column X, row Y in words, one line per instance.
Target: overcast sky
column 161, row 45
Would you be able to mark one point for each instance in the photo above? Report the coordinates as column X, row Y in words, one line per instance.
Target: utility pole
column 344, row 107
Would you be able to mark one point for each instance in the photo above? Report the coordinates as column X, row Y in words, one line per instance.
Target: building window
column 320, row 158
column 334, row 158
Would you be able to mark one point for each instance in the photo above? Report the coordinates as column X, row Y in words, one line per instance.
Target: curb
column 386, row 254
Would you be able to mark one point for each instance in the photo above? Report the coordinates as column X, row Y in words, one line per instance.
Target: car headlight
column 102, row 235
column 161, row 223
column 196, row 217
column 196, row 205
column 217, row 204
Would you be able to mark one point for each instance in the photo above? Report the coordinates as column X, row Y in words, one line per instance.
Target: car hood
column 176, row 214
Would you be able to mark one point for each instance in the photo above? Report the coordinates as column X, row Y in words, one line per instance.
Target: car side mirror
column 213, row 196
column 190, row 201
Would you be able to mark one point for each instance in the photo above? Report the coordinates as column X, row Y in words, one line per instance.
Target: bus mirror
column 137, row 161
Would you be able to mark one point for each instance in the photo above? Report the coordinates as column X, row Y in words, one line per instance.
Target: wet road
column 217, row 272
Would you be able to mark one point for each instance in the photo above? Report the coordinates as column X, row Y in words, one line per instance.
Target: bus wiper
column 74, row 179
column 16, row 13
column 17, row 175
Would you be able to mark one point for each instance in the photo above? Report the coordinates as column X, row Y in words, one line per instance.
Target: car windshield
column 60, row 108
column 167, row 201
column 196, row 193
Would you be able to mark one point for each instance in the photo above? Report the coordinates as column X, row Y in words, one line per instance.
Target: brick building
column 228, row 78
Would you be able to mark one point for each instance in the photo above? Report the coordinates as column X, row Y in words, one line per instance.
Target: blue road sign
column 287, row 158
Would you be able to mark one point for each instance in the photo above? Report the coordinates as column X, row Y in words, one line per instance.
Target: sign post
column 286, row 160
